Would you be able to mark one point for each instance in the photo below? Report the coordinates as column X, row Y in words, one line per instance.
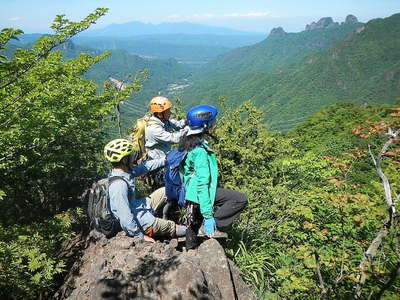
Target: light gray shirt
column 161, row 135
column 134, row 215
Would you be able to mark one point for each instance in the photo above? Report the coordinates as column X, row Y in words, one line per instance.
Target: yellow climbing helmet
column 117, row 149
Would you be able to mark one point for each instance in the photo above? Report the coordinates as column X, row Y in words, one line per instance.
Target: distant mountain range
column 183, row 47
column 183, row 41
column 139, row 28
column 293, row 75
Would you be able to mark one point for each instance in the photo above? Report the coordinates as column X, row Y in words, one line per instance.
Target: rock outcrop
column 130, row 268
column 351, row 19
column 278, row 31
column 326, row 22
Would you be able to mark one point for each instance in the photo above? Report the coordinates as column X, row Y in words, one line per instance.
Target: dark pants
column 230, row 204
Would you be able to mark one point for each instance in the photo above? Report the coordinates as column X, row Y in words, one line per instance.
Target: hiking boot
column 191, row 239
column 217, row 234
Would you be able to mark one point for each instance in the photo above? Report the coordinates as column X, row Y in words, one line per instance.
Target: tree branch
column 324, row 291
column 368, row 257
column 373, row 247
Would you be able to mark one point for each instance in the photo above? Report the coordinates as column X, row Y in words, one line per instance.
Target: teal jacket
column 200, row 173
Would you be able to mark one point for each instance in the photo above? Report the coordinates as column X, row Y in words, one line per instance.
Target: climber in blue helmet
column 209, row 207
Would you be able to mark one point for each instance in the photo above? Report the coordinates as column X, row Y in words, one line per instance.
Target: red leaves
column 357, row 130
column 341, row 166
column 389, row 153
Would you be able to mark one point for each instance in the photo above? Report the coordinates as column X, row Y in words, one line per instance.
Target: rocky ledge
column 130, row 268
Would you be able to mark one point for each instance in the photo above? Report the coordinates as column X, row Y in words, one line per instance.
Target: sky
column 250, row 15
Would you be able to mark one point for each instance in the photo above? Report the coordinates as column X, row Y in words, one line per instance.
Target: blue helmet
column 201, row 117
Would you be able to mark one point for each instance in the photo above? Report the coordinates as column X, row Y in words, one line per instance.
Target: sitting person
column 136, row 216
column 200, row 173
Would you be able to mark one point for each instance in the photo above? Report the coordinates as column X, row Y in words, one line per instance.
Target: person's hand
column 148, row 239
column 209, row 227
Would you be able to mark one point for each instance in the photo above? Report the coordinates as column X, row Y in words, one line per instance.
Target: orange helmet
column 159, row 104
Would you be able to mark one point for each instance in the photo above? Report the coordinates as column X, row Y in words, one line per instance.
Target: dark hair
column 120, row 164
column 189, row 142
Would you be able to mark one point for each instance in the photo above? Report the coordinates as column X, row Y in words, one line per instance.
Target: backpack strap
column 114, row 178
column 111, row 180
column 152, row 122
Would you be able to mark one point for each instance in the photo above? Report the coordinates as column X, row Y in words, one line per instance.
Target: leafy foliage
column 315, row 202
column 52, row 124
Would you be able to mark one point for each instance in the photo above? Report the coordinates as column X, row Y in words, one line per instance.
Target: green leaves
column 52, row 127
column 311, row 193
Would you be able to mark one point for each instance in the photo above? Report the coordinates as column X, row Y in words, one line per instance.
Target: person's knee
column 242, row 200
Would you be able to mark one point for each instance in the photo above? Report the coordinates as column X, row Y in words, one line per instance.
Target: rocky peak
column 278, row 31
column 351, row 19
column 130, row 268
column 326, row 22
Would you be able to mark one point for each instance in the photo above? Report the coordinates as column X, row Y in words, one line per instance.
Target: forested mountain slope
column 277, row 50
column 364, row 67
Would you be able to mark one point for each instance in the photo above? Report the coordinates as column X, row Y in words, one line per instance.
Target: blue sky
column 250, row 15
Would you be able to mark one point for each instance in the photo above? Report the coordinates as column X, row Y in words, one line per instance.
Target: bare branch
column 368, row 257
column 373, row 247
column 324, row 291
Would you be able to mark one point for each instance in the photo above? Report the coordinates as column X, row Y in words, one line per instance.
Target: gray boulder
column 130, row 268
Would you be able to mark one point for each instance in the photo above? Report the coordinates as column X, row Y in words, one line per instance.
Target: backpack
column 174, row 188
column 99, row 211
column 138, row 134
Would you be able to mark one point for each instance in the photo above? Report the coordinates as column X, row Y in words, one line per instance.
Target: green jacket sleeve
column 202, row 171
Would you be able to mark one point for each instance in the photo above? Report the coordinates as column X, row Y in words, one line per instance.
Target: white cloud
column 14, row 19
column 177, row 17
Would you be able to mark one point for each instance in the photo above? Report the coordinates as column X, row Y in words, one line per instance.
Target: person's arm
column 178, row 124
column 202, row 171
column 148, row 166
column 160, row 135
column 119, row 203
